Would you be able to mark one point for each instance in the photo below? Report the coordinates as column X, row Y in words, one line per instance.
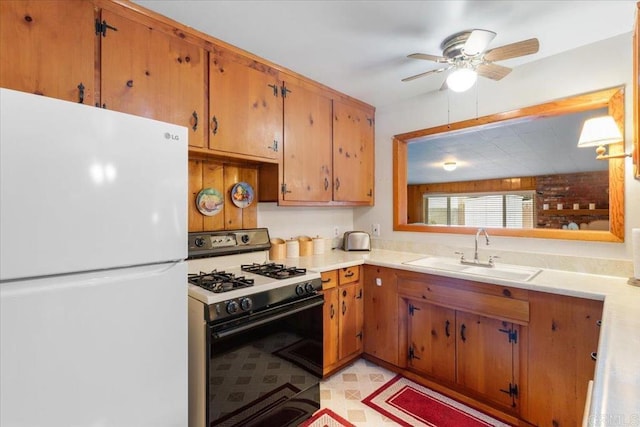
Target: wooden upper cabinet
column 245, row 107
column 152, row 74
column 47, row 48
column 353, row 156
column 306, row 164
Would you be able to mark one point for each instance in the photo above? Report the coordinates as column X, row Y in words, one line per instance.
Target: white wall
column 286, row 222
column 601, row 65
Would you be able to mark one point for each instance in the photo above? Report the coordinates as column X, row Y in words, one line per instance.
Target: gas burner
column 273, row 270
column 219, row 281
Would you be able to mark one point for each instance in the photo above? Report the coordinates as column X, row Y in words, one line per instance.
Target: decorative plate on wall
column 209, row 201
column 242, row 194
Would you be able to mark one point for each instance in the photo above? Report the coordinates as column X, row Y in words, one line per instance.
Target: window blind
column 498, row 210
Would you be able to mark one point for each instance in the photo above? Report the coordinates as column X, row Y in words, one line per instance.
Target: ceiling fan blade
column 492, row 71
column 428, row 57
column 513, row 50
column 438, row 70
column 477, row 42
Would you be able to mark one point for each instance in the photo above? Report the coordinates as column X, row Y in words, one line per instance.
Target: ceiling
column 360, row 47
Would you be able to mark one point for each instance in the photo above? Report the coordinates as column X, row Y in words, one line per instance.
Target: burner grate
column 273, row 270
column 219, row 281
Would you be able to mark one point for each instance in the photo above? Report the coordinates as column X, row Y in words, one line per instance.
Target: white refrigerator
column 93, row 297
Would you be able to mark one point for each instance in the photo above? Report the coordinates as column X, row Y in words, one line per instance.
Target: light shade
column 449, row 166
column 599, row 131
column 461, row 79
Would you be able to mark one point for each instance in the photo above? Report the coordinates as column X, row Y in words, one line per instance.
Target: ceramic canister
column 278, row 249
column 306, row 245
column 293, row 248
column 318, row 245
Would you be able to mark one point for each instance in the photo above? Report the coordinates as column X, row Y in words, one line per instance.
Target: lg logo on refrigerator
column 171, row 136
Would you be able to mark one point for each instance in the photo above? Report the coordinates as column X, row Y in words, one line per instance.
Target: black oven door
column 265, row 369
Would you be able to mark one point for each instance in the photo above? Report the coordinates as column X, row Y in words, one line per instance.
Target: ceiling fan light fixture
column 461, row 79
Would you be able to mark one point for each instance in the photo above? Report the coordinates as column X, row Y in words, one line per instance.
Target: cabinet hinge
column 102, row 27
column 283, row 189
column 371, row 121
column 512, row 335
column 512, row 391
column 412, row 354
column 284, row 91
column 412, row 308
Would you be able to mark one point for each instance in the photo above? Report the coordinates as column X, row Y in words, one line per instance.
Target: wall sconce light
column 598, row 132
column 461, row 79
column 449, row 166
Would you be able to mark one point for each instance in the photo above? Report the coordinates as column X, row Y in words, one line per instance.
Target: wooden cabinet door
column 331, row 316
column 148, row 73
column 381, row 313
column 306, row 162
column 48, row 48
column 353, row 146
column 563, row 332
column 432, row 342
column 485, row 357
column 350, row 297
column 245, row 107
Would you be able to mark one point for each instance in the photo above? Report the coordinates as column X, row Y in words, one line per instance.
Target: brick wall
column 582, row 188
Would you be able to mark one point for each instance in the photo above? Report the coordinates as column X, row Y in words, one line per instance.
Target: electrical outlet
column 375, row 229
column 336, row 232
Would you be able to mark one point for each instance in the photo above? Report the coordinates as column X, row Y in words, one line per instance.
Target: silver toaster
column 356, row 241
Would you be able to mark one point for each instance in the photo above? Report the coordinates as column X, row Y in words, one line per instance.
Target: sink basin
column 499, row 271
column 438, row 263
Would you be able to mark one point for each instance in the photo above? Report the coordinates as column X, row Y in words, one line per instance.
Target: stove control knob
column 308, row 287
column 199, row 242
column 232, row 307
column 299, row 290
column 245, row 238
column 246, row 304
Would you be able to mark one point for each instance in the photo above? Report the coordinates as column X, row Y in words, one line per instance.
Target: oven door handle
column 267, row 319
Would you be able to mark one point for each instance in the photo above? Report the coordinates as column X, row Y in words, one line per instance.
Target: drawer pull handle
column 446, row 328
column 349, row 274
column 463, row 328
column 326, row 280
column 332, row 311
column 594, row 355
column 344, row 308
column 195, row 121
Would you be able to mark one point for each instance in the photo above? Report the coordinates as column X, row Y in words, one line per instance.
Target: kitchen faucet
column 476, row 261
column 486, row 235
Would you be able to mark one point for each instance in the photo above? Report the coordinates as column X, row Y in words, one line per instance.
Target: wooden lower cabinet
column 520, row 355
column 563, row 332
column 467, row 350
column 381, row 313
column 343, row 318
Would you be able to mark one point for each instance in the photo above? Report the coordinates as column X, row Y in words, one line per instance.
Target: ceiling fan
column 467, row 55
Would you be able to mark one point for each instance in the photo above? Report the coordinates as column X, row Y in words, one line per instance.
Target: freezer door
column 83, row 188
column 96, row 349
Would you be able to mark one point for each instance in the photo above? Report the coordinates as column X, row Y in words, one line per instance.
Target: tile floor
column 343, row 393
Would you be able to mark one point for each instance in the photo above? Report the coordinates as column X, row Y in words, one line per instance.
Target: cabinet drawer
column 494, row 306
column 349, row 274
column 329, row 279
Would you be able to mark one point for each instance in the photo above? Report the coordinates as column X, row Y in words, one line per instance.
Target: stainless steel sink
column 498, row 271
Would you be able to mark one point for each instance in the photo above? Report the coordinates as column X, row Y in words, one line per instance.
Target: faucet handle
column 492, row 259
column 461, row 255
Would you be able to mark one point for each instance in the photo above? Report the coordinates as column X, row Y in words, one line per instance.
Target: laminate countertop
column 615, row 398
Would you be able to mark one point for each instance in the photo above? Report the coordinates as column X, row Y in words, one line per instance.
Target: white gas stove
column 230, row 272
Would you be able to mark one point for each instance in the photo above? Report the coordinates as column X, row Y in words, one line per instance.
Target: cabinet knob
column 129, row 83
